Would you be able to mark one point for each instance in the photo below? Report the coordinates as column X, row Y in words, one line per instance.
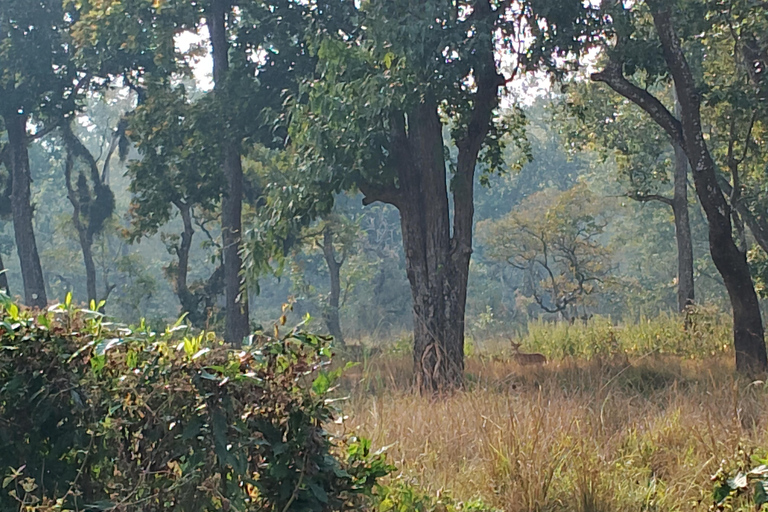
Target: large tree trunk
column 438, row 283
column 437, row 257
column 685, row 287
column 331, row 313
column 436, row 265
column 23, row 212
column 237, row 325
column 729, row 259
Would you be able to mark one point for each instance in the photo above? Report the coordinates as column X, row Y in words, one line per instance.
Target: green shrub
column 99, row 416
column 701, row 333
column 402, row 496
column 741, row 484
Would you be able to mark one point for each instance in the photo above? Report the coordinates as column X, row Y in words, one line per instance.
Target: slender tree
column 176, row 175
column 90, row 196
column 331, row 314
column 687, row 131
column 39, row 86
column 219, row 13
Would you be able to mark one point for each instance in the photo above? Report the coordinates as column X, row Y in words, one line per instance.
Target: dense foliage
column 101, row 416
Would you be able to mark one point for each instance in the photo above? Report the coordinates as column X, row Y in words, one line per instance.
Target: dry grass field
column 613, row 429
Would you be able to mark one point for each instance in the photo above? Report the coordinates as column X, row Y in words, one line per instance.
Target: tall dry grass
column 613, row 432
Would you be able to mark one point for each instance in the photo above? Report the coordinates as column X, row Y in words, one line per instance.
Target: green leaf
column 98, row 363
column 15, row 473
column 201, row 353
column 7, row 480
column 102, row 505
column 321, row 384
column 180, row 320
column 219, row 425
column 318, row 492
column 132, row 359
column 192, row 428
column 760, row 495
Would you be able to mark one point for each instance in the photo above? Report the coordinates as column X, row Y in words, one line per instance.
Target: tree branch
column 644, row 198
column 485, row 101
column 379, row 193
column 613, row 77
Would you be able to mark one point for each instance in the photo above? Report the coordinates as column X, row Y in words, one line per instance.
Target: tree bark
column 438, row 283
column 331, row 313
column 237, row 324
column 23, row 212
column 437, row 278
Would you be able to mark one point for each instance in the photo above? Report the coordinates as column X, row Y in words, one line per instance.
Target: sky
column 522, row 91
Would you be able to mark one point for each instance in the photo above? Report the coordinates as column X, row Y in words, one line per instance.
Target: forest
column 383, row 255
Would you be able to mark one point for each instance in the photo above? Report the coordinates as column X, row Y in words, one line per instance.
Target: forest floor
column 581, row 433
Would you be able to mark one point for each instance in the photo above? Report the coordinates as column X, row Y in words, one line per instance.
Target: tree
column 5, row 212
column 335, row 237
column 176, row 175
column 134, row 40
column 217, row 15
column 374, row 114
column 40, row 85
column 248, row 93
column 5, row 246
column 617, row 131
column 333, row 230
column 553, row 238
column 667, row 54
column 92, row 200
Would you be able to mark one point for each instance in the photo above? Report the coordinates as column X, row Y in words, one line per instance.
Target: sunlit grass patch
column 610, row 424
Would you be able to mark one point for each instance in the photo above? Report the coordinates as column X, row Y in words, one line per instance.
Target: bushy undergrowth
column 741, row 483
column 98, row 416
column 702, row 332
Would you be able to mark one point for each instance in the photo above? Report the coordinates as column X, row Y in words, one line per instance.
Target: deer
column 526, row 359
